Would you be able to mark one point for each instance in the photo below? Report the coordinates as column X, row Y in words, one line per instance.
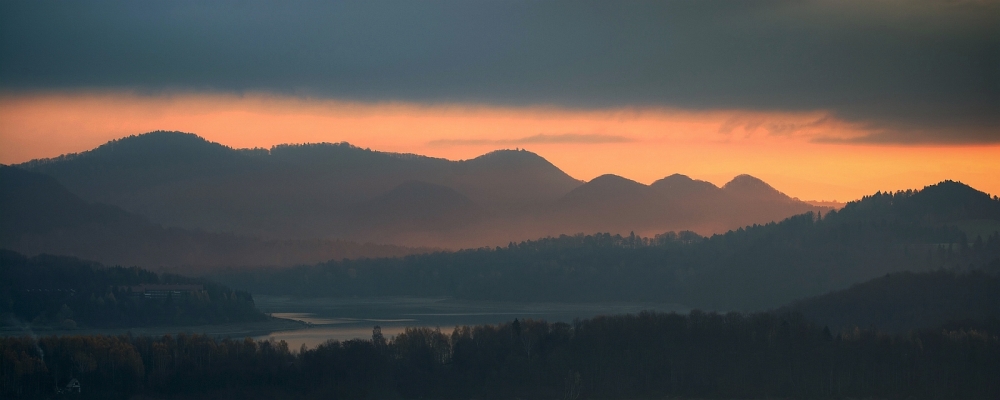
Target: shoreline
column 232, row 330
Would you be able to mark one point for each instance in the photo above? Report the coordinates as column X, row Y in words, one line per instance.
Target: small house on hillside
column 73, row 386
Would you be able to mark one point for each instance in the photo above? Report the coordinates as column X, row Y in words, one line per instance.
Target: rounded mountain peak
column 606, row 189
column 682, row 184
column 161, row 138
column 610, row 183
column 518, row 162
column 612, row 179
column 744, row 182
column 507, row 156
column 746, row 185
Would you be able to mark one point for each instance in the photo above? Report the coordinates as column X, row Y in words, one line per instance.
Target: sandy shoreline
column 233, row 330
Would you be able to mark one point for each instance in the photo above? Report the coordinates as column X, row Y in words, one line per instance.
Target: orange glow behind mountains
column 785, row 149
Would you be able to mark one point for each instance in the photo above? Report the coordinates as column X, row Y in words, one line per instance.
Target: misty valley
column 166, row 266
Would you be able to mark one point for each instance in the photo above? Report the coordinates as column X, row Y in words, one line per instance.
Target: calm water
column 344, row 319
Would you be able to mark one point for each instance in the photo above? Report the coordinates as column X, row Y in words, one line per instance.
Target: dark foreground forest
column 701, row 355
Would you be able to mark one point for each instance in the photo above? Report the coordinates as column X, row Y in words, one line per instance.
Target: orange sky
column 640, row 144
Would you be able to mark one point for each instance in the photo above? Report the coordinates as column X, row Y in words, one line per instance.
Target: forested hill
column 948, row 225
column 905, row 301
column 945, row 203
column 64, row 292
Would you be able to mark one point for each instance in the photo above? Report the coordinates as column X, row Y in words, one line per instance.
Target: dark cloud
column 959, row 135
column 578, row 138
column 900, row 65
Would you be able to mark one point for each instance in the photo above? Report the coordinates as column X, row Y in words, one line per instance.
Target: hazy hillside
column 40, row 216
column 320, row 191
column 414, row 207
column 760, row 267
column 904, row 301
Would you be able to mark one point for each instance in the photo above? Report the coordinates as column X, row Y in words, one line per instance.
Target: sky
column 825, row 100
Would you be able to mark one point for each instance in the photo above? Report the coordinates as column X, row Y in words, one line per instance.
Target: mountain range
column 339, row 191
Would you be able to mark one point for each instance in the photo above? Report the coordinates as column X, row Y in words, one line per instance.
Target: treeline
column 630, row 356
column 948, row 226
column 65, row 292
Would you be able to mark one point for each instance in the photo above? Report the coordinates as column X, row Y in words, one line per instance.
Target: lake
column 353, row 318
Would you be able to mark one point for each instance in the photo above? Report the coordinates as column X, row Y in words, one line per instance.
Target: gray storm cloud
column 915, row 71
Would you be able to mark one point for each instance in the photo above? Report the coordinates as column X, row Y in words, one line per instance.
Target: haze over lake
column 353, row 318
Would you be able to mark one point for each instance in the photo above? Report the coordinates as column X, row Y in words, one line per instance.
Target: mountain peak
column 160, row 146
column 682, row 184
column 745, row 181
column 612, row 179
column 507, row 156
column 954, row 200
column 674, row 179
column 949, row 187
column 749, row 186
column 610, row 184
column 159, row 141
column 605, row 191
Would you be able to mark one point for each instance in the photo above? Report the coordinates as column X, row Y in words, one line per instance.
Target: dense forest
column 632, row 356
column 946, row 226
column 64, row 292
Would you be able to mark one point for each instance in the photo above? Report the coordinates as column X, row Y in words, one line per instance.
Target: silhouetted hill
column 142, row 161
column 37, row 215
column 904, row 301
column 681, row 186
column 318, row 191
column 515, row 179
column 751, row 200
column 942, row 202
column 605, row 191
column 609, row 203
column 748, row 187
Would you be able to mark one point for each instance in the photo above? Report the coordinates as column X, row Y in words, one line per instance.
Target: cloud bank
column 921, row 71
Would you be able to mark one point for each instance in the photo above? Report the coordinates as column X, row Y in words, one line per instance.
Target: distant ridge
column 331, row 190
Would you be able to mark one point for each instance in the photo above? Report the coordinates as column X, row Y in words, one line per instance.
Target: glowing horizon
column 804, row 154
